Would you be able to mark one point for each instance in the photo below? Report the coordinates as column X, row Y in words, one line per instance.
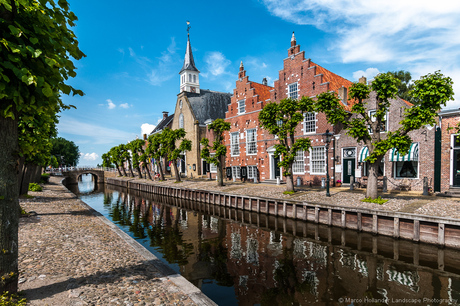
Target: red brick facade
column 449, row 149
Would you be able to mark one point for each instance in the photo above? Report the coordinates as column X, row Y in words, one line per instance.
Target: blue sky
column 136, row 49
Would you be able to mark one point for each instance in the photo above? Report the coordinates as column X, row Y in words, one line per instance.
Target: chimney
column 343, row 95
column 145, row 136
column 165, row 114
column 264, row 81
column 362, row 80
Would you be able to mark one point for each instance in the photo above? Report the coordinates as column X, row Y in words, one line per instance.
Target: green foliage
column 45, row 177
column 289, row 192
column 7, row 299
column 218, row 126
column 35, row 187
column 281, row 119
column 170, row 140
column 405, row 86
column 378, row 200
column 66, row 152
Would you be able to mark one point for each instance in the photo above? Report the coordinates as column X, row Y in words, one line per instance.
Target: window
column 293, row 94
column 383, row 126
column 406, row 169
column 298, row 166
column 194, row 78
column 310, row 123
column 189, row 77
column 380, row 172
column 236, row 171
column 235, row 145
column 181, row 121
column 212, row 167
column 180, row 104
column 318, row 160
column 252, row 172
column 241, row 106
column 251, row 141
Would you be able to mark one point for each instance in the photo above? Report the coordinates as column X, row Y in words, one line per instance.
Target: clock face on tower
column 192, row 89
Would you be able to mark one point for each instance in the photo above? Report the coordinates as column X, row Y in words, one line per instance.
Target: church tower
column 189, row 75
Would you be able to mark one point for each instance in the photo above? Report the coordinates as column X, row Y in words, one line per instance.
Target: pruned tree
column 156, row 150
column 431, row 92
column 136, row 148
column 218, row 126
column 281, row 119
column 115, row 157
column 174, row 144
column 406, row 84
column 37, row 52
column 126, row 157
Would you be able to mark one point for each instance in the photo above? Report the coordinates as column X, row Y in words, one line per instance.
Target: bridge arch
column 73, row 175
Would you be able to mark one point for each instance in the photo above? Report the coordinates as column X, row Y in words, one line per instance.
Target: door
column 348, row 170
column 276, row 168
column 456, row 169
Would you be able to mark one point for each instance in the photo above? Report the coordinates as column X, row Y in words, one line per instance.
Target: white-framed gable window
column 235, row 144
column 298, row 166
column 318, row 160
column 241, row 106
column 181, row 121
column 384, row 125
column 292, row 91
column 309, row 123
column 251, row 142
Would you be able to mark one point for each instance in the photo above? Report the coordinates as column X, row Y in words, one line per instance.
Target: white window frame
column 212, row 167
column 370, row 114
column 194, row 78
column 181, row 121
column 235, row 143
column 298, row 166
column 311, row 122
column 252, row 172
column 251, row 144
column 293, row 92
column 236, row 172
column 241, row 106
column 314, row 158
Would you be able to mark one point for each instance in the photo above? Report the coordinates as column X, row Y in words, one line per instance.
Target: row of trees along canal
column 38, row 49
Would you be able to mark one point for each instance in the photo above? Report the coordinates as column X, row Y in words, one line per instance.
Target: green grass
column 289, row 192
column 7, row 299
column 379, row 200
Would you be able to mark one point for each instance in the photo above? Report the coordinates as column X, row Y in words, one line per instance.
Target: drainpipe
column 333, row 155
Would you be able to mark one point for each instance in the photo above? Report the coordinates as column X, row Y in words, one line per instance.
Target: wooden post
column 396, row 227
column 329, row 216
column 416, row 230
column 344, row 219
column 258, row 205
column 276, row 208
column 360, row 222
column 284, row 209
column 441, row 237
column 375, row 229
column 316, row 214
column 294, row 211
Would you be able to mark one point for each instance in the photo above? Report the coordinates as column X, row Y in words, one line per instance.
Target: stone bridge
column 72, row 176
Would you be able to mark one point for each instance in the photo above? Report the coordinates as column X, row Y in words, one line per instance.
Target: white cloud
column 411, row 34
column 110, row 104
column 370, row 73
column 164, row 69
column 124, row 105
column 147, row 128
column 89, row 156
column 216, row 63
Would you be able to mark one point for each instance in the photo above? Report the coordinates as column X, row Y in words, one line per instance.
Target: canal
column 242, row 258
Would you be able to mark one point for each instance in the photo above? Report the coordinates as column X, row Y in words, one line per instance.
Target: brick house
column 401, row 171
column 194, row 107
column 450, row 150
column 245, row 139
column 299, row 77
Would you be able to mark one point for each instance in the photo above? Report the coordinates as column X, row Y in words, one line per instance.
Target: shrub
column 378, row 200
column 289, row 192
column 35, row 187
column 7, row 299
column 45, row 178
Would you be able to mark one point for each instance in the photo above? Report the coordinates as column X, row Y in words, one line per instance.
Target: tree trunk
column 176, row 171
column 130, row 168
column 139, row 172
column 160, row 170
column 26, row 178
column 9, row 204
column 118, row 169
column 148, row 171
column 124, row 170
column 220, row 174
column 290, row 180
column 21, row 170
column 38, row 174
column 371, row 191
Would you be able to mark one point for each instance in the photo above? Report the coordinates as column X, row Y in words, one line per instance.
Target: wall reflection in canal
column 241, row 258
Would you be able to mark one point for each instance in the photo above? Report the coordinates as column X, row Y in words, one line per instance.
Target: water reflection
column 240, row 258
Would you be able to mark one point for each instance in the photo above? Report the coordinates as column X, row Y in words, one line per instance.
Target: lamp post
column 327, row 137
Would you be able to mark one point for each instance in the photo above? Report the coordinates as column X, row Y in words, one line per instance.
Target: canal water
column 242, row 258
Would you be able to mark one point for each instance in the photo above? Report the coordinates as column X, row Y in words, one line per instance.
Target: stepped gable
column 263, row 91
column 209, row 104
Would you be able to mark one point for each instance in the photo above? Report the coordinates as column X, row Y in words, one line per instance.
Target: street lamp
column 327, row 137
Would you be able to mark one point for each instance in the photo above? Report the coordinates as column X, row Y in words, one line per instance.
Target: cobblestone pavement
column 70, row 256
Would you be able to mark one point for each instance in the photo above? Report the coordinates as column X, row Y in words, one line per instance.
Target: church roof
column 163, row 123
column 209, row 104
column 189, row 63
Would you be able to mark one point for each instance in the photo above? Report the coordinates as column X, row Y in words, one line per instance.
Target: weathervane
column 188, row 27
